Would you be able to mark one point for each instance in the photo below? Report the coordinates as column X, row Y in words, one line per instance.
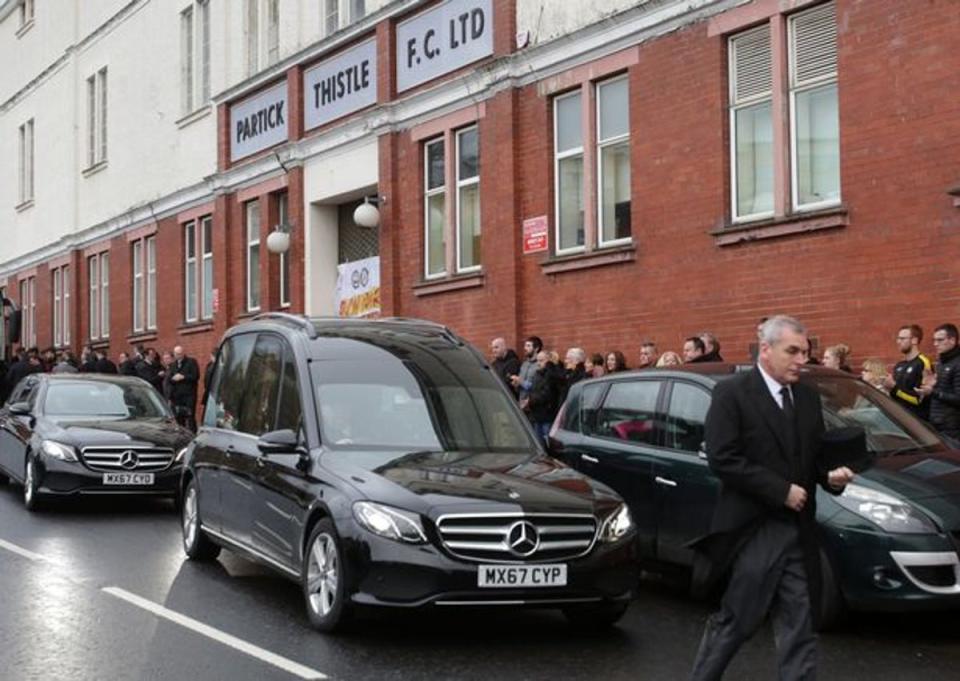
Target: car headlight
column 55, row 450
column 389, row 522
column 179, row 457
column 618, row 524
column 890, row 513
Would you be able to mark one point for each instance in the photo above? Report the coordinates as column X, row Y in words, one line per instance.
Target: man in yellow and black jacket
column 908, row 374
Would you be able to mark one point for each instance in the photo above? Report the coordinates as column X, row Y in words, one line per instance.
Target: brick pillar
column 298, row 243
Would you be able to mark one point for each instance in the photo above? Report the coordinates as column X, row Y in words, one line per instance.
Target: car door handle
column 589, row 459
column 665, row 481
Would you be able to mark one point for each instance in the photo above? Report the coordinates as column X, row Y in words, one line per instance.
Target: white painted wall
column 549, row 19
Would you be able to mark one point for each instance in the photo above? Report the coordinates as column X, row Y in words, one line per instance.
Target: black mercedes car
column 70, row 434
column 383, row 463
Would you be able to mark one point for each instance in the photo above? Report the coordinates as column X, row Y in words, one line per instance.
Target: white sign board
column 443, row 39
column 358, row 288
column 341, row 85
column 259, row 122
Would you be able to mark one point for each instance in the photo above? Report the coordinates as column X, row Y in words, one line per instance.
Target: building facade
column 592, row 173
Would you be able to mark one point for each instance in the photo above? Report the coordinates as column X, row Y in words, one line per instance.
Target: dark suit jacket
column 184, row 393
column 747, row 450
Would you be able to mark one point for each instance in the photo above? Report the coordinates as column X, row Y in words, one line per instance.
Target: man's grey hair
column 772, row 329
column 579, row 354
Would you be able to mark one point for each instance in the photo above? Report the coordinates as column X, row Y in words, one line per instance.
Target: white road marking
column 20, row 551
column 215, row 634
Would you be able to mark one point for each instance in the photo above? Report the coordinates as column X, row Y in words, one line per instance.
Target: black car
column 890, row 542
column 73, row 434
column 383, row 463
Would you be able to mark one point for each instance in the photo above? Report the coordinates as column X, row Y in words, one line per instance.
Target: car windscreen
column 101, row 400
column 889, row 428
column 393, row 404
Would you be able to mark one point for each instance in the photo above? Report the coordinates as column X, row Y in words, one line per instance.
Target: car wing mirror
column 279, row 442
column 20, row 409
column 702, row 451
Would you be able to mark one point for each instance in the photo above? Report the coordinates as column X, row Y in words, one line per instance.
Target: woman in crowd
column 593, row 365
column 616, row 362
column 669, row 359
column 837, row 357
column 874, row 372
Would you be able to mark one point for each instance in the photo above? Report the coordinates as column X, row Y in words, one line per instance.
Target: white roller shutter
column 813, row 45
column 751, row 75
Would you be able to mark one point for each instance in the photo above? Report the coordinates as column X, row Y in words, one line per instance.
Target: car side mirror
column 20, row 409
column 702, row 452
column 279, row 442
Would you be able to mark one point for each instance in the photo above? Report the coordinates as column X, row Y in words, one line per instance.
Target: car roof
column 713, row 372
column 116, row 379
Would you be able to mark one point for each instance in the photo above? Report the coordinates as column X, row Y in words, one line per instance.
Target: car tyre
column 596, row 616
column 196, row 544
column 833, row 608
column 324, row 579
column 31, row 485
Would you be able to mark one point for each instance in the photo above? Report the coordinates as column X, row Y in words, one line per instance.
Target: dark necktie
column 788, row 410
column 790, row 419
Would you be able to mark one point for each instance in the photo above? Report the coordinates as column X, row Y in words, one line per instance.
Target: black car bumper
column 69, row 478
column 389, row 573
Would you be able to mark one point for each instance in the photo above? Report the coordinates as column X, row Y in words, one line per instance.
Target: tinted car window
column 288, row 417
column 402, row 405
column 589, row 404
column 225, row 400
column 259, row 411
column 103, row 400
column 686, row 417
column 629, row 412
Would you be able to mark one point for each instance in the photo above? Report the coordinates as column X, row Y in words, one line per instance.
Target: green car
column 889, row 542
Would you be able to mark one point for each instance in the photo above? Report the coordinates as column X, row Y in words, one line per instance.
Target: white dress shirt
column 775, row 386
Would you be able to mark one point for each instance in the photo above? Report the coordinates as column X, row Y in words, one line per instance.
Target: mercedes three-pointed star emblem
column 523, row 538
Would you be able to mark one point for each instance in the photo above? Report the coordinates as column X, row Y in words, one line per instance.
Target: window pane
column 253, row 221
column 331, row 16
column 470, row 226
column 191, row 290
column 570, row 188
column 436, row 210
column 754, row 162
column 469, row 159
column 104, row 295
column 94, row 279
column 207, row 235
column 207, row 288
column 259, row 411
column 435, row 171
column 290, row 410
column 818, row 146
column 569, row 130
column 629, row 412
column 614, row 109
column 688, row 414
column 615, row 191
column 253, row 285
column 190, row 240
column 226, row 399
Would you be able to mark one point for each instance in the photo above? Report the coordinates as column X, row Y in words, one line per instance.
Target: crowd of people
column 927, row 388
column 175, row 375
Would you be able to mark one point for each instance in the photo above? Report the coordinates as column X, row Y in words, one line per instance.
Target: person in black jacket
column 505, row 362
column 711, row 348
column 909, row 372
column 943, row 388
column 184, row 376
column 149, row 369
column 104, row 365
column 542, row 400
column 575, row 370
column 764, row 442
column 29, row 363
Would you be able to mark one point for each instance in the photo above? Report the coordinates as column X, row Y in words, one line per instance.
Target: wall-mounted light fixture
column 278, row 241
column 367, row 214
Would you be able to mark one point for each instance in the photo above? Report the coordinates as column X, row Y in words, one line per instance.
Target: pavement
column 100, row 589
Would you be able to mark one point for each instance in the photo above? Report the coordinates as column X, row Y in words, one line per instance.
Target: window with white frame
column 26, row 12
column 61, row 306
column 283, row 217
column 751, row 124
column 434, row 209
column 97, row 118
column 26, row 156
column 331, row 17
column 811, row 165
column 98, row 278
column 253, row 255
column 144, row 268
column 815, row 129
column 613, row 161
column 273, row 31
column 468, row 200
column 198, row 269
column 568, row 172
column 28, row 307
column 187, row 61
column 203, row 9
column 251, row 31
column 358, row 10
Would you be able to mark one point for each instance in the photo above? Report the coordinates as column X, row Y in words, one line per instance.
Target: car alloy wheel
column 324, row 579
column 196, row 544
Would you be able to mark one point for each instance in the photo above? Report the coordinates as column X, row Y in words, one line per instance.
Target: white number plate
column 128, row 478
column 514, row 576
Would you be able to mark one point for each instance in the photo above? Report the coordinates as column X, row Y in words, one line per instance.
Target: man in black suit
column 763, row 440
column 184, row 375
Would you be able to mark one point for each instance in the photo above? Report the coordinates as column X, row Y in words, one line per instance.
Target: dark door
column 15, row 431
column 223, row 494
column 687, row 490
column 621, row 437
column 282, row 495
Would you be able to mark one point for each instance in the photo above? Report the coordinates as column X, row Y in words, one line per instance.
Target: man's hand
column 889, row 383
column 515, row 380
column 839, row 477
column 177, row 377
column 796, row 498
column 928, row 384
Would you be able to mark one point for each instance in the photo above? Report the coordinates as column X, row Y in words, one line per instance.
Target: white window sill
column 25, row 205
column 94, row 169
column 797, row 223
column 195, row 116
column 25, row 28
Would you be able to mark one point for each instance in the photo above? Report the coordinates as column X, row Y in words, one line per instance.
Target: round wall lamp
column 366, row 214
column 278, row 241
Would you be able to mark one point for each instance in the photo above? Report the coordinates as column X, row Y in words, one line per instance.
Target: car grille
column 113, row 458
column 934, row 575
column 546, row 537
